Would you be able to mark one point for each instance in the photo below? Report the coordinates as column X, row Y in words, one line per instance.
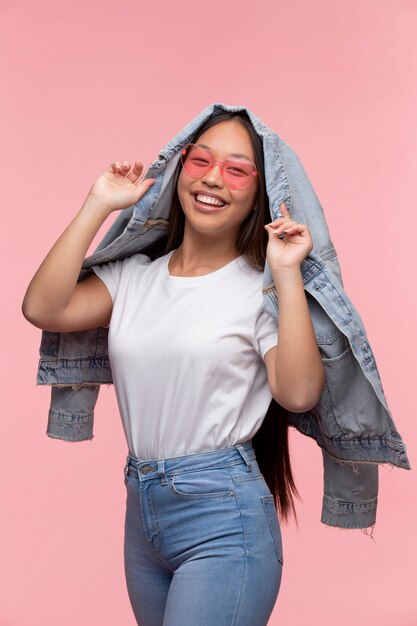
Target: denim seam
column 287, row 178
column 155, row 553
column 246, row 556
column 203, row 469
column 355, row 462
column 155, row 550
column 242, row 479
column 335, row 359
column 358, row 507
column 265, row 503
column 62, row 437
column 67, row 416
column 141, row 511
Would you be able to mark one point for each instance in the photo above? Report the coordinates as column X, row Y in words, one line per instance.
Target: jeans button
column 146, row 469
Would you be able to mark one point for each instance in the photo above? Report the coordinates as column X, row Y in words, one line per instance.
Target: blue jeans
column 202, row 540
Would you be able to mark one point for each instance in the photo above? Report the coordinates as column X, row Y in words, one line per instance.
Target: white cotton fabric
column 187, row 355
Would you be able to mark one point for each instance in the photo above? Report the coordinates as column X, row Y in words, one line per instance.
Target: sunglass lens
column 197, row 161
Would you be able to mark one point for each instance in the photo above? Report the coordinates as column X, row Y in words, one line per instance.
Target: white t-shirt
column 187, row 355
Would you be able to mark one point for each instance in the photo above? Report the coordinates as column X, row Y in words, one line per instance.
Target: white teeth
column 209, row 200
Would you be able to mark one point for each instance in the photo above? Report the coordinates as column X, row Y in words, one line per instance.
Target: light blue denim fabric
column 352, row 423
column 203, row 542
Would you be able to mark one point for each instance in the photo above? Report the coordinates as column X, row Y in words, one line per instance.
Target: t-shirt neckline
column 198, row 280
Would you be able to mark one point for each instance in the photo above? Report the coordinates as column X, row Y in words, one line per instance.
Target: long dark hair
column 271, row 440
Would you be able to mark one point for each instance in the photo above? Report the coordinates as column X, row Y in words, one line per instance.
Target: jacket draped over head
column 351, row 423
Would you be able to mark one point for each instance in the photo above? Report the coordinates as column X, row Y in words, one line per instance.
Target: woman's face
column 223, row 139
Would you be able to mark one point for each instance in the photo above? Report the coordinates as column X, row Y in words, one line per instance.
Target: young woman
column 202, row 534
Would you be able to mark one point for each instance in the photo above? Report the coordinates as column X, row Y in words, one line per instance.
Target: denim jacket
column 351, row 423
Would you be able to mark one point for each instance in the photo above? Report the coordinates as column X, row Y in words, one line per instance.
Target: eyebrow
column 234, row 154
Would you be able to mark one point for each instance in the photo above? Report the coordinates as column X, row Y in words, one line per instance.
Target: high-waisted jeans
column 202, row 540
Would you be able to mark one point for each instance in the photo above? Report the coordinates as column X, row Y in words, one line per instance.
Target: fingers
column 121, row 168
column 270, row 231
column 124, row 169
column 282, row 221
column 136, row 172
column 285, row 225
column 284, row 209
column 133, row 174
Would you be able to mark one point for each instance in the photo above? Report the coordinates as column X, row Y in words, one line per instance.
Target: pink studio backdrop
column 87, row 83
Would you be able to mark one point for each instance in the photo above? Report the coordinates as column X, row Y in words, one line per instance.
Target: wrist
column 285, row 270
column 95, row 206
column 286, row 276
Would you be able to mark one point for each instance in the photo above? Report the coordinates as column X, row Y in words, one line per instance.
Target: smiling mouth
column 208, row 201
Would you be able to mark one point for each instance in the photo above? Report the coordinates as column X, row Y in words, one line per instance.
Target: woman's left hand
column 293, row 248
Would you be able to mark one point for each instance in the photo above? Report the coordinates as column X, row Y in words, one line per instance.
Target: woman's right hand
column 55, row 300
column 120, row 186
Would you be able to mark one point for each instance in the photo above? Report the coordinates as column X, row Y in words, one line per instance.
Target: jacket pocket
column 274, row 526
column 348, row 405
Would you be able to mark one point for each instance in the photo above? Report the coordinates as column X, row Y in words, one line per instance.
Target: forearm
column 53, row 284
column 298, row 366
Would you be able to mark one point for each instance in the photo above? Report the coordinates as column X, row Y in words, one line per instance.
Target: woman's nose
column 214, row 176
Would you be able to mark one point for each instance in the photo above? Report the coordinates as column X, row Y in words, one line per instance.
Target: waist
column 150, row 468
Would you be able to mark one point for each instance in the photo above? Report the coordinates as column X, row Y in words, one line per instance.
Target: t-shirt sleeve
column 111, row 273
column 266, row 333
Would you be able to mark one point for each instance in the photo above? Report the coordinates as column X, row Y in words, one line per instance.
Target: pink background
column 87, row 83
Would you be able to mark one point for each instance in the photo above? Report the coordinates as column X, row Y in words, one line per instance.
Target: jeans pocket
column 273, row 521
column 207, row 484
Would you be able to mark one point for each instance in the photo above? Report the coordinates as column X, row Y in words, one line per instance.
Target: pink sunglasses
column 236, row 173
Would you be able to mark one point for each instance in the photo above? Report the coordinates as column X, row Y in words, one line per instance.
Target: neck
column 199, row 252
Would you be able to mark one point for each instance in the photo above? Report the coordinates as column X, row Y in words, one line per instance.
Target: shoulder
column 114, row 272
column 119, row 264
column 140, row 265
column 136, row 260
column 130, row 265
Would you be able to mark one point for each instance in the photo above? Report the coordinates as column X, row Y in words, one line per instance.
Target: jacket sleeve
column 71, row 414
column 350, row 493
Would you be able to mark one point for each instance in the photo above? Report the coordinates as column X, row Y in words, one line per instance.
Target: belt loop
column 245, row 457
column 161, row 471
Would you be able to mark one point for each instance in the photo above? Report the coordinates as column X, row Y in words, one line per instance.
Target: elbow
column 307, row 400
column 29, row 314
column 310, row 399
column 26, row 310
column 27, row 306
column 32, row 315
column 298, row 406
column 302, row 402
column 306, row 405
